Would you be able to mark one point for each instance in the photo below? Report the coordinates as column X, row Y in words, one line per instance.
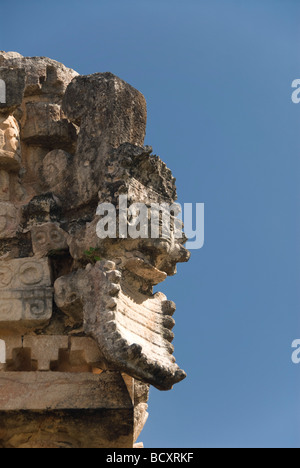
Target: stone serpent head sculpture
column 67, row 144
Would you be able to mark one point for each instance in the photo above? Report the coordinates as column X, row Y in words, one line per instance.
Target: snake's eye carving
column 48, row 238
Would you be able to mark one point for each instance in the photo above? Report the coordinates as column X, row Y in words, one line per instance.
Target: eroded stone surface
column 115, row 112
column 63, row 410
column 67, row 429
column 44, row 122
column 56, row 171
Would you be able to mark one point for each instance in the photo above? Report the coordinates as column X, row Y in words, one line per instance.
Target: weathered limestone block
column 117, row 114
column 45, row 123
column 57, row 391
column 43, row 76
column 119, row 109
column 26, row 293
column 48, row 238
column 10, row 150
column 133, row 330
column 62, row 410
column 66, row 429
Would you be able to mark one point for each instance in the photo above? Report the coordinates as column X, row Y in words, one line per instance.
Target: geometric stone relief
column 51, row 353
column 26, row 293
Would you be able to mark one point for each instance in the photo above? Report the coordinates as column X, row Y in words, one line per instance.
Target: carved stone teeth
column 111, row 327
column 160, row 296
column 135, row 350
column 118, row 337
column 121, row 343
column 112, row 303
column 109, row 265
column 114, row 289
column 169, row 308
column 168, row 322
column 168, row 335
column 180, row 375
column 170, row 347
column 114, row 276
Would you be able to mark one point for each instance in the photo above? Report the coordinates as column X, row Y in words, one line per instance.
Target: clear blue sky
column 217, row 77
